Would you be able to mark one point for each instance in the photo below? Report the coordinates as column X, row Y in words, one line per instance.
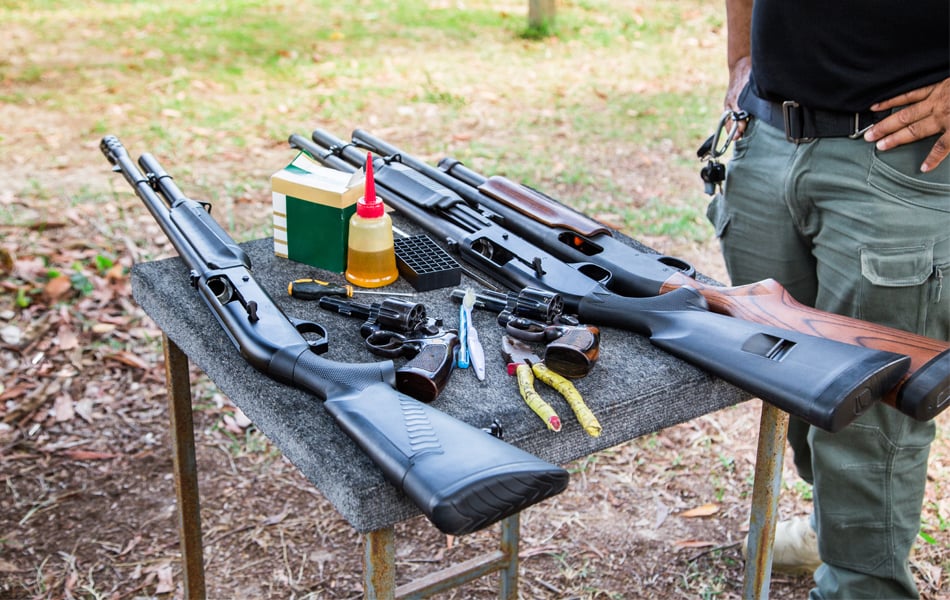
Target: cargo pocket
column 900, row 286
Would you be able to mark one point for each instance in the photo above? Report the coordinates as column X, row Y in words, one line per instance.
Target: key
column 713, row 174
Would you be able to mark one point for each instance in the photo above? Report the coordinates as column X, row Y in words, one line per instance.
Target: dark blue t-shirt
column 845, row 55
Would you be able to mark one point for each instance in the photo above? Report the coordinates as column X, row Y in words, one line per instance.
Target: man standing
column 839, row 188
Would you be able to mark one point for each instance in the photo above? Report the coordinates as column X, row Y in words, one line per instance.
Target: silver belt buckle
column 857, row 132
column 787, row 108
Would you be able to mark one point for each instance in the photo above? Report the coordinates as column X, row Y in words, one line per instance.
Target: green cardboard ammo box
column 312, row 209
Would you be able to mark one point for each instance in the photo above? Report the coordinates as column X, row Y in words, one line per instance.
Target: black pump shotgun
column 462, row 478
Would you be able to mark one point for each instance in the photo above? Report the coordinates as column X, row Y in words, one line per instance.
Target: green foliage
column 583, row 465
column 81, row 283
column 103, row 262
column 699, row 581
column 927, row 537
column 803, row 489
column 659, row 218
column 433, row 94
column 23, row 299
column 934, row 533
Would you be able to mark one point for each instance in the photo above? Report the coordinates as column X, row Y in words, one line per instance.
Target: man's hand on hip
column 925, row 112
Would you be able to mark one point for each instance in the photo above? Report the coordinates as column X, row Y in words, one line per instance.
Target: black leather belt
column 803, row 124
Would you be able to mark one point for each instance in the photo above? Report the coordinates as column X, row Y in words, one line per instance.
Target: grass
column 277, row 67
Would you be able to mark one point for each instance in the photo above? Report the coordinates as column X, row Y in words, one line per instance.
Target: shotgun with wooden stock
column 589, row 246
column 923, row 393
column 825, row 382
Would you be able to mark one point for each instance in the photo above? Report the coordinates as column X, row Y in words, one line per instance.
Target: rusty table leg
column 379, row 570
column 510, row 539
column 178, row 382
column 379, row 564
column 770, row 456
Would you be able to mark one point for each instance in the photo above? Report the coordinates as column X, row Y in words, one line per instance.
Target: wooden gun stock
column 769, row 303
column 540, row 207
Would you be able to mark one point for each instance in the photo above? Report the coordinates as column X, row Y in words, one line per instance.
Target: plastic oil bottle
column 370, row 258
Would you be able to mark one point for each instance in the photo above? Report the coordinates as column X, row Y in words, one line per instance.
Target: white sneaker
column 795, row 550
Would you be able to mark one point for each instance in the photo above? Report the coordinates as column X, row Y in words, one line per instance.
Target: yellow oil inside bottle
column 370, row 256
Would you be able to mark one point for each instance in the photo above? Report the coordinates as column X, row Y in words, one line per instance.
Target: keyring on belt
column 728, row 117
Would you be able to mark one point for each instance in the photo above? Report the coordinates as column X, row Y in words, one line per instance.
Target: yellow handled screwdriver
column 314, row 289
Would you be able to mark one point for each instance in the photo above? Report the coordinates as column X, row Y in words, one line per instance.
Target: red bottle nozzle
column 369, row 206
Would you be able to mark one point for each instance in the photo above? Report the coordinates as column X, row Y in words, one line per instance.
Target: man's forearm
column 738, row 49
column 738, row 29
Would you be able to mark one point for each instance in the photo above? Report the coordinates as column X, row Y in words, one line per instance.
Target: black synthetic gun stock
column 589, row 247
column 393, row 328
column 462, row 478
column 827, row 383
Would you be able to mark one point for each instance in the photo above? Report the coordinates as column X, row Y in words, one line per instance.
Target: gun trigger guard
column 525, row 335
column 566, row 320
column 318, row 345
column 388, row 344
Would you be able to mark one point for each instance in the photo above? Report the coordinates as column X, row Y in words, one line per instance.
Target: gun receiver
column 462, row 478
column 825, row 382
column 923, row 393
column 394, row 328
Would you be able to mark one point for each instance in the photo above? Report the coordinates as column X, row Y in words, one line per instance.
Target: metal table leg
column 510, row 539
column 178, row 383
column 379, row 564
column 770, row 456
column 379, row 570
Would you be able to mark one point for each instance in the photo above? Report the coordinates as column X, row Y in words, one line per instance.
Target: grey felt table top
column 634, row 389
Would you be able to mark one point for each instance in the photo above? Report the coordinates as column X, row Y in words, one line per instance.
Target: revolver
column 534, row 315
column 393, row 328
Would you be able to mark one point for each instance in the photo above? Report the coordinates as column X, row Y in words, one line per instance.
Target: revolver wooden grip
column 574, row 354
